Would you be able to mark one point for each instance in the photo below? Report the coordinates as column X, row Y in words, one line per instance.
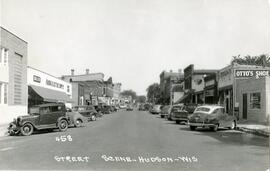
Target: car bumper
column 179, row 119
column 13, row 128
column 200, row 124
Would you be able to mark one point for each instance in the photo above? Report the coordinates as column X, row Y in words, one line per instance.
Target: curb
column 254, row 131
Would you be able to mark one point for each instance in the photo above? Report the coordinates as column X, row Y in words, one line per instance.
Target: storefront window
column 255, row 100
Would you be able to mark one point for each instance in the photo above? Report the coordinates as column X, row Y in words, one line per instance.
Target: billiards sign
column 251, row 73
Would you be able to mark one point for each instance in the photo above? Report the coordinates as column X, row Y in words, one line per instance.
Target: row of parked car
column 52, row 116
column 193, row 115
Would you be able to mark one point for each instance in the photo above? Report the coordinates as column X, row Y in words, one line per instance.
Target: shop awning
column 182, row 99
column 49, row 95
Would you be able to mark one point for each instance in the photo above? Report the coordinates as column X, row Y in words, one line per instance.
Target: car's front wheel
column 27, row 129
column 214, row 128
column 192, row 128
column 233, row 125
column 93, row 118
column 78, row 123
column 63, row 125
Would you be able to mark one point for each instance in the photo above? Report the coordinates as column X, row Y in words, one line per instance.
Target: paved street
column 140, row 136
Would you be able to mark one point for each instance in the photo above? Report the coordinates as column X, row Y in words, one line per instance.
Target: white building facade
column 45, row 88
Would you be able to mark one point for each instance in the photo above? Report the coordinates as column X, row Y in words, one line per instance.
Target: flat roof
column 47, row 74
column 13, row 34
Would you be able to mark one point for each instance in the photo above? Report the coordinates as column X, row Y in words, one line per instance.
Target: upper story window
column 68, row 89
column 36, row 79
column 4, row 56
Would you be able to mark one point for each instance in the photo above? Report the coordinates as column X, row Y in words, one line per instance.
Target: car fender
column 30, row 122
column 61, row 118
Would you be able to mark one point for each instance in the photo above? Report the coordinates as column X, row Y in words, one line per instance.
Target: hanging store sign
column 251, row 73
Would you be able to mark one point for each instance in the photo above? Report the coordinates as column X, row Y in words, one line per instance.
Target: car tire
column 63, row 125
column 177, row 122
column 233, row 125
column 192, row 128
column 27, row 129
column 93, row 118
column 214, row 128
column 162, row 116
column 78, row 123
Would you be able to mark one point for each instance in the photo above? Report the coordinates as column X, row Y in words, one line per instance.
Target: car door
column 223, row 118
column 45, row 116
column 56, row 112
column 219, row 116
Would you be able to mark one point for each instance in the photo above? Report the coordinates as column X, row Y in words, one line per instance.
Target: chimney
column 87, row 71
column 171, row 71
column 72, row 71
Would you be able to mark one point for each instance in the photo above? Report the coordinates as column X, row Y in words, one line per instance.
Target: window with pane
column 255, row 100
column 5, row 93
column 4, row 56
column 0, row 93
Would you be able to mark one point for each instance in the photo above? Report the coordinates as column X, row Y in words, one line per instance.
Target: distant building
column 90, row 88
column 194, row 84
column 13, row 76
column 46, row 88
column 210, row 89
column 167, row 80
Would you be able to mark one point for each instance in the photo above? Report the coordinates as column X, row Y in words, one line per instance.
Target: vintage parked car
column 165, row 111
column 129, row 108
column 105, row 109
column 147, row 106
column 87, row 111
column 114, row 108
column 211, row 116
column 75, row 118
column 174, row 109
column 46, row 116
column 156, row 109
column 141, row 107
column 181, row 114
column 122, row 106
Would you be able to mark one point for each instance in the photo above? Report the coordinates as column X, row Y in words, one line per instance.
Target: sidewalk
column 3, row 130
column 261, row 129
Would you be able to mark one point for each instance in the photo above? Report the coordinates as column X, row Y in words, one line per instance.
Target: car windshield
column 79, row 108
column 34, row 110
column 177, row 108
column 202, row 109
column 90, row 108
column 156, row 107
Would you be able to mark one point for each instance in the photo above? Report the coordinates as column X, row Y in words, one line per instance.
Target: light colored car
column 211, row 116
column 156, row 109
column 75, row 118
column 165, row 111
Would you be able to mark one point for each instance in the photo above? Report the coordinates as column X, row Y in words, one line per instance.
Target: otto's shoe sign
column 251, row 73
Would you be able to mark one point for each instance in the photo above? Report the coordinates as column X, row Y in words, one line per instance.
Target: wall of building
column 267, row 91
column 198, row 83
column 47, row 81
column 254, row 86
column 14, row 75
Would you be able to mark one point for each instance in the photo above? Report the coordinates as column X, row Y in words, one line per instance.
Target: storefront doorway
column 245, row 106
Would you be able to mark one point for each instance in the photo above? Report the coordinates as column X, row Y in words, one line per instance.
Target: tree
column 153, row 93
column 261, row 60
column 141, row 99
column 129, row 93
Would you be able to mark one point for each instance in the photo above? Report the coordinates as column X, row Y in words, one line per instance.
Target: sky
column 133, row 41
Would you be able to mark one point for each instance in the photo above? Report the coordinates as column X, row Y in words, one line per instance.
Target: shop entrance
column 245, row 106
